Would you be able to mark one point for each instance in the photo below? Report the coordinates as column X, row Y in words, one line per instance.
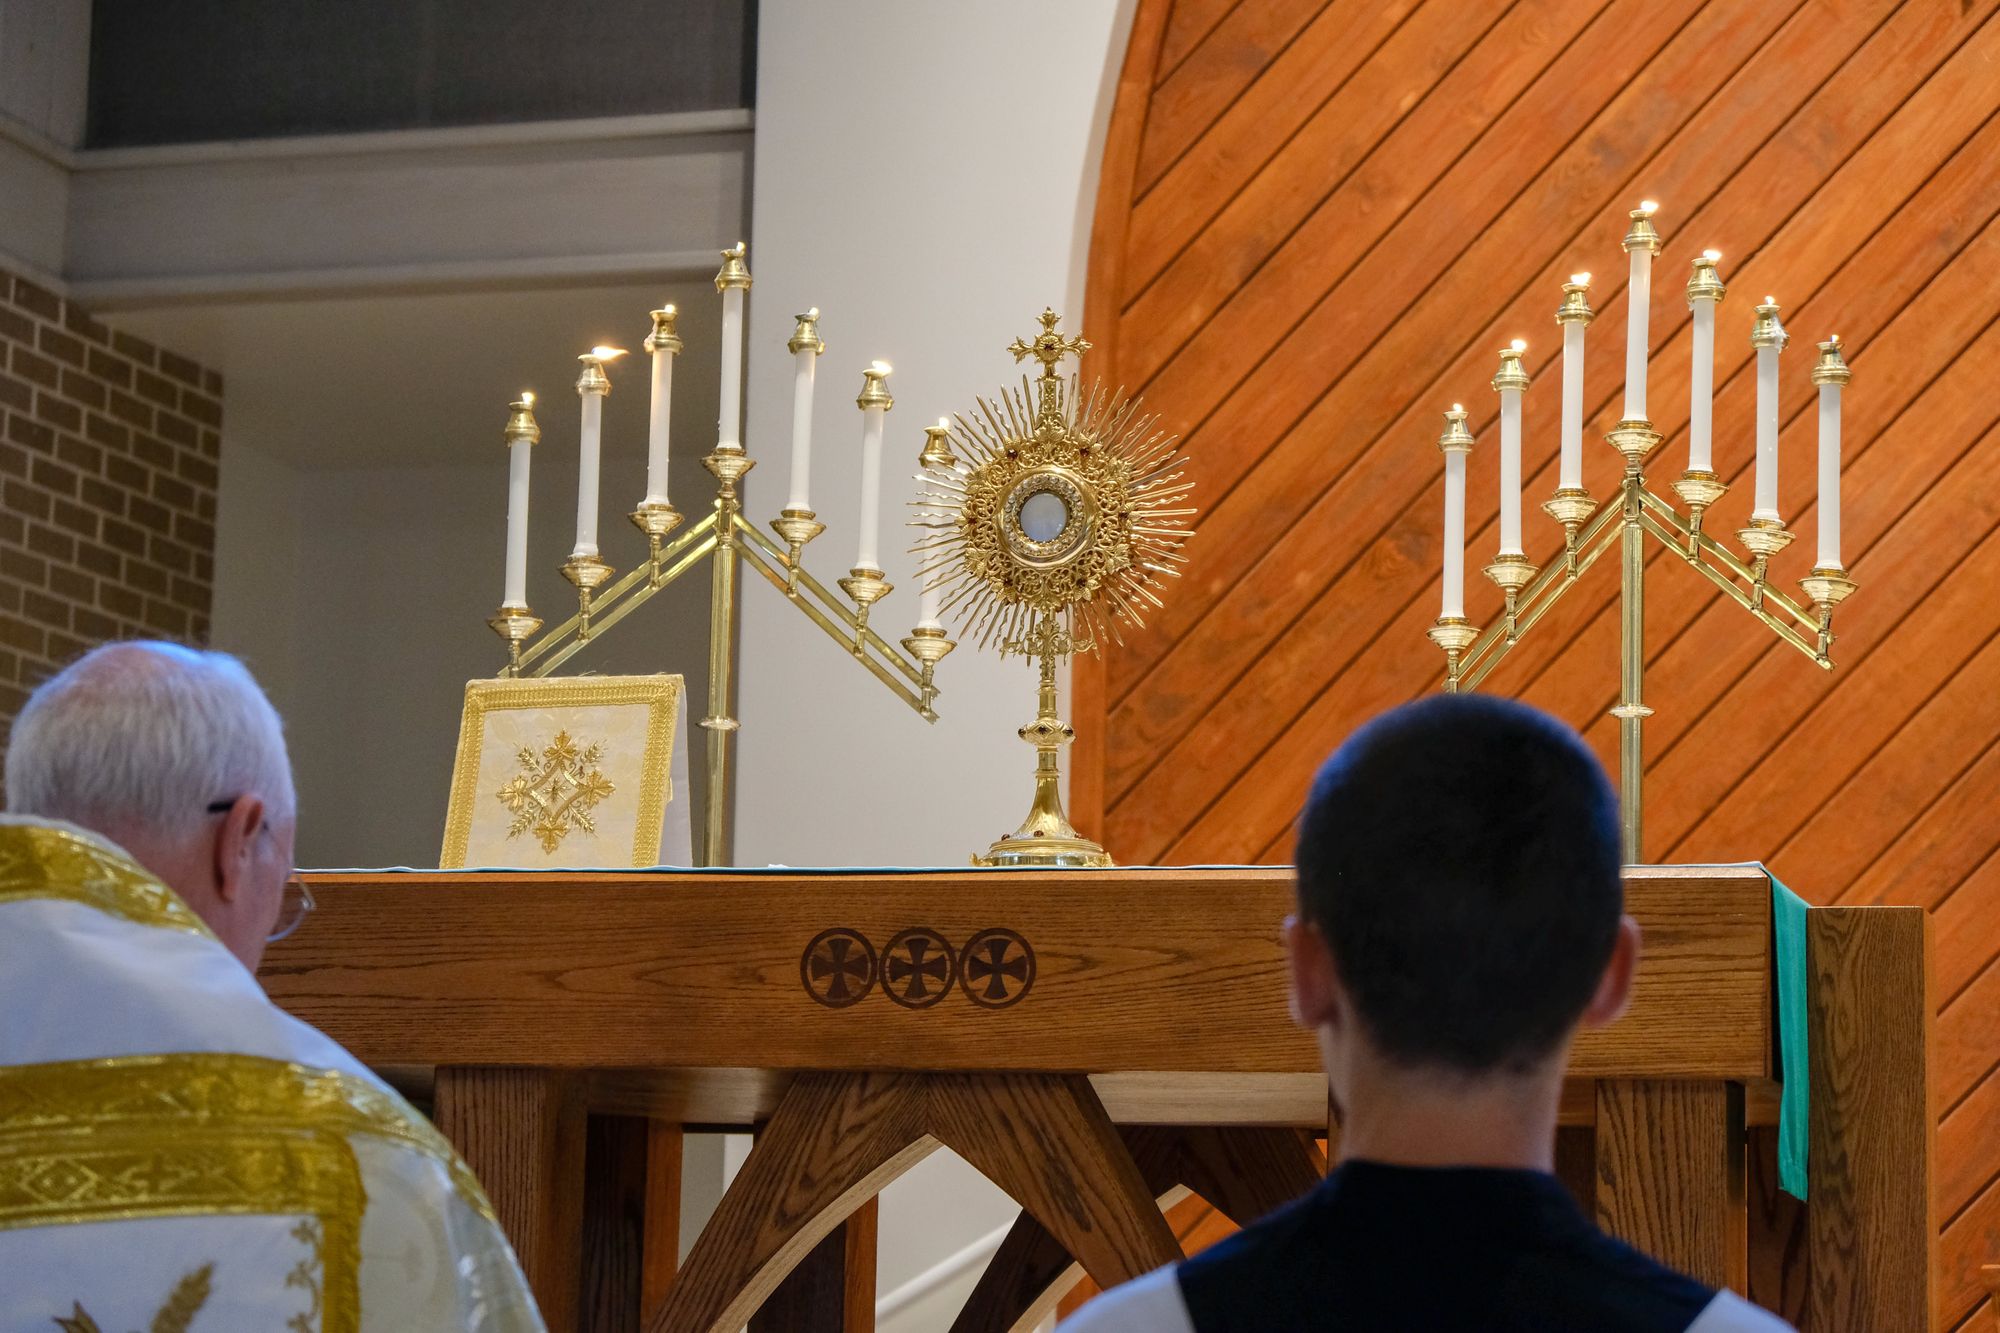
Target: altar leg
column 837, row 1139
column 1670, row 1173
column 522, row 1133
column 1871, row 1214
column 1046, row 1141
column 833, row 1288
column 833, row 1143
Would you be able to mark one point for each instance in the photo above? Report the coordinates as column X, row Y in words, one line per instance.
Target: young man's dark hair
column 1461, row 916
column 1438, row 833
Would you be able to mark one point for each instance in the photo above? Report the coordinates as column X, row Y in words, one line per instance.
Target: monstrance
column 1059, row 524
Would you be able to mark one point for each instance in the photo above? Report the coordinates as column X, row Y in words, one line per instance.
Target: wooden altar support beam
column 522, row 1132
column 837, row 1140
column 1871, row 1218
column 1670, row 1174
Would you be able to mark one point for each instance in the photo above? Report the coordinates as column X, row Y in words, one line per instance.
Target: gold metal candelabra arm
column 1697, row 548
column 609, row 605
column 688, row 556
column 1675, row 538
column 840, row 627
column 1534, row 601
column 799, row 584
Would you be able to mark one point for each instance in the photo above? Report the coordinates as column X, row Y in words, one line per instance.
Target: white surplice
column 177, row 1152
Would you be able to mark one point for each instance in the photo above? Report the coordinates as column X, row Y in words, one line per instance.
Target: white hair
column 143, row 737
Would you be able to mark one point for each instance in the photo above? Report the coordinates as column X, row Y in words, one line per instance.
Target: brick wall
column 108, row 453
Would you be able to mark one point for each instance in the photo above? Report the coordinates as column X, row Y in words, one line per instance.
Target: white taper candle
column 522, row 433
column 1642, row 242
column 1574, row 315
column 663, row 344
column 874, row 402
column 732, row 281
column 1704, row 293
column 1456, row 442
column 1831, row 375
column 1510, row 382
column 591, row 387
column 806, row 347
column 1768, row 336
column 928, row 597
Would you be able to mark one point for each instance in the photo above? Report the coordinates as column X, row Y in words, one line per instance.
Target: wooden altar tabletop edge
column 1135, row 972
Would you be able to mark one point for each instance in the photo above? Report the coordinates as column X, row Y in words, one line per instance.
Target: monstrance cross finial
column 1049, row 347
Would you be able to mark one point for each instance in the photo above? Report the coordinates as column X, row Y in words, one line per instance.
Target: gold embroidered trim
column 662, row 694
column 39, row 861
column 197, row 1087
column 205, row 1133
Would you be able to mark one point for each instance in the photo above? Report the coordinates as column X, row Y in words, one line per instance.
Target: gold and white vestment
column 176, row 1152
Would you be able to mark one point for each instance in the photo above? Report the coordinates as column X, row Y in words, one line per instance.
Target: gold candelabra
column 725, row 538
column 1471, row 653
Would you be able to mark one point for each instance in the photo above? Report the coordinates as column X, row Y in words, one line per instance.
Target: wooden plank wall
column 1318, row 222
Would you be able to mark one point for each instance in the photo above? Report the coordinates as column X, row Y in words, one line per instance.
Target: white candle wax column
column 1704, row 293
column 1642, row 242
column 663, row 344
column 1831, row 375
column 591, row 387
column 1768, row 336
column 874, row 402
column 732, row 280
column 1456, row 445
column 806, row 347
column 1574, row 316
column 936, row 454
column 522, row 434
column 1510, row 382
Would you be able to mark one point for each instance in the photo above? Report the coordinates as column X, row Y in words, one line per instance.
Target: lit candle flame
column 944, row 423
column 1711, row 255
column 1770, row 300
column 528, row 397
column 606, row 353
column 670, row 308
column 812, row 312
column 881, row 367
column 1458, row 408
column 1648, row 207
column 1580, row 279
column 1519, row 344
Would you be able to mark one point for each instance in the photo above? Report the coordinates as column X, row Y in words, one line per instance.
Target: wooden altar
column 1088, row 1040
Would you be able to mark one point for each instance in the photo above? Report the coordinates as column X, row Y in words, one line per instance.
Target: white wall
column 924, row 174
column 362, row 517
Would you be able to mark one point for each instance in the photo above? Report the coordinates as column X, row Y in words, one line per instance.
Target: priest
column 175, row 1151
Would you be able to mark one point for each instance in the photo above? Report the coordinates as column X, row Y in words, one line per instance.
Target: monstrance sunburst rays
column 1059, row 525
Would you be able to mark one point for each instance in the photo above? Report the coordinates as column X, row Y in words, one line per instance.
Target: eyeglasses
column 298, row 901
column 293, row 911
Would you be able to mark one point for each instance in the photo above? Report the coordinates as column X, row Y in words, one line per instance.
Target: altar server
column 175, row 1151
column 1461, row 916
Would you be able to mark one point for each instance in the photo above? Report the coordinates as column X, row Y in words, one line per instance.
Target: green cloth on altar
column 1788, row 925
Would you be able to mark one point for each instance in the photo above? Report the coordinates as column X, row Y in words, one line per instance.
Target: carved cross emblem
column 918, row 968
column 556, row 790
column 838, row 968
column 997, row 969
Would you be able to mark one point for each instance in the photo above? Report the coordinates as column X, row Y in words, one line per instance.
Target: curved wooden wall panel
column 1317, row 223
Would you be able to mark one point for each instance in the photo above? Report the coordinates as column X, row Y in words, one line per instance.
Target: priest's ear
column 1316, row 999
column 1614, row 988
column 236, row 847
